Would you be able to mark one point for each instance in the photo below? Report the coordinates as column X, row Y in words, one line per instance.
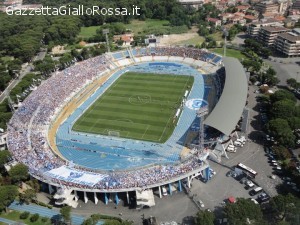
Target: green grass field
column 137, row 106
column 87, row 32
column 149, row 26
column 230, row 52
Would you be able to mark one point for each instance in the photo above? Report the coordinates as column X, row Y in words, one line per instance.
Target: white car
column 249, row 184
column 200, row 203
column 253, row 200
column 231, row 149
column 278, row 168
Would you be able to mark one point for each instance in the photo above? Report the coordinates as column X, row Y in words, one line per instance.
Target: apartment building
column 289, row 43
column 267, row 7
column 268, row 34
column 254, row 28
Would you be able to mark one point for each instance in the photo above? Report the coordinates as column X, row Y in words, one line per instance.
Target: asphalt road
column 25, row 69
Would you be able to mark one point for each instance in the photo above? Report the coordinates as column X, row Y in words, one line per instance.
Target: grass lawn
column 193, row 41
column 15, row 216
column 150, row 26
column 217, row 36
column 229, row 52
column 6, row 59
column 137, row 106
column 87, row 32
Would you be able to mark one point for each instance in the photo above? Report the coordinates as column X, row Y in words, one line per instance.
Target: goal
column 113, row 133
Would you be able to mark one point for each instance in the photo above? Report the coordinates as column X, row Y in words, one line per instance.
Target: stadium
column 135, row 122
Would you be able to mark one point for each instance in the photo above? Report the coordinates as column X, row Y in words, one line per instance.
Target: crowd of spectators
column 185, row 52
column 27, row 130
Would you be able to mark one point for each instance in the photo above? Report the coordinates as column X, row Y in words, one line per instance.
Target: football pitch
column 138, row 106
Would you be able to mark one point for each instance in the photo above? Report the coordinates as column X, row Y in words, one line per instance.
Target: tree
column 281, row 131
column 281, row 152
column 4, row 156
column 283, row 109
column 18, row 173
column 28, row 196
column 294, row 122
column 286, row 208
column 243, row 210
column 291, row 82
column 205, row 218
column 251, row 65
column 281, row 95
column 8, row 194
column 66, row 213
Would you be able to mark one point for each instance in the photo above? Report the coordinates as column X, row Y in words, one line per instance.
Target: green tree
column 27, row 196
column 66, row 214
column 281, row 131
column 283, row 109
column 18, row 173
column 244, row 209
column 291, row 82
column 4, row 156
column 294, row 122
column 8, row 194
column 282, row 95
column 286, row 208
column 205, row 218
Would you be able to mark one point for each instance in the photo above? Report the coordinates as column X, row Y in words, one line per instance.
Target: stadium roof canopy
column 229, row 108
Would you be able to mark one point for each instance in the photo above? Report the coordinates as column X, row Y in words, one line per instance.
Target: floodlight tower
column 201, row 114
column 11, row 104
column 106, row 32
column 225, row 33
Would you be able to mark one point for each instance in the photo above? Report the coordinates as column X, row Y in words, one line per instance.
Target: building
column 267, row 7
column 214, row 21
column 194, row 3
column 126, row 39
column 250, row 19
column 289, row 43
column 268, row 34
column 296, row 5
column 253, row 28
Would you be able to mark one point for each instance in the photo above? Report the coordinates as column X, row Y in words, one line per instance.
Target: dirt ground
column 173, row 39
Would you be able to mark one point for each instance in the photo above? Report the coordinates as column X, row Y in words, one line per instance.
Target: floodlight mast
column 225, row 33
column 201, row 114
column 106, row 32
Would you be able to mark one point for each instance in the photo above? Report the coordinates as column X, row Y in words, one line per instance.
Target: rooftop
column 292, row 37
column 275, row 29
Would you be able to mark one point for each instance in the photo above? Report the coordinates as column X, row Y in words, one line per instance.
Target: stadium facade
column 67, row 162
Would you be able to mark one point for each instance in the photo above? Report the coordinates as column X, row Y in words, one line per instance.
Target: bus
column 250, row 172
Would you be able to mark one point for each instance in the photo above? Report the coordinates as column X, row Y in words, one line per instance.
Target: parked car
column 200, row 203
column 253, row 200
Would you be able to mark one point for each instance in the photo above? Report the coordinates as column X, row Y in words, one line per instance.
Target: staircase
column 64, row 196
column 131, row 54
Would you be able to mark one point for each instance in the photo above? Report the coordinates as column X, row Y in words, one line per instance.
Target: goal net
column 113, row 133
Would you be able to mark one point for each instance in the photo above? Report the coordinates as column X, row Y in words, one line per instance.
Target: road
column 26, row 68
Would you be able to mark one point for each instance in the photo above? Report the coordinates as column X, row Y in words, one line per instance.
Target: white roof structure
column 229, row 108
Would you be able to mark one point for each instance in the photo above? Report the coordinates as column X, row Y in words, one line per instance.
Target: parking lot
column 252, row 154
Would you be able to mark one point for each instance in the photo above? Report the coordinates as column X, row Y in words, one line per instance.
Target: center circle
column 140, row 99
